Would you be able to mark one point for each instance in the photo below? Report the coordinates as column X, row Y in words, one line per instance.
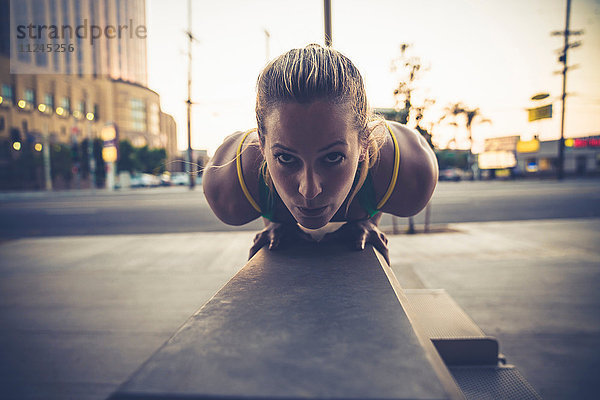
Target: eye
column 334, row 158
column 285, row 159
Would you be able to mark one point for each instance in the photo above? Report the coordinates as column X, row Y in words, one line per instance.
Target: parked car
column 144, row 180
column 451, row 174
column 180, row 179
column 165, row 179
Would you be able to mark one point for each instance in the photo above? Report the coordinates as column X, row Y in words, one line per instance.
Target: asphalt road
column 177, row 209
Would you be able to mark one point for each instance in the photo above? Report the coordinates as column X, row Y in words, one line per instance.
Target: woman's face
column 312, row 153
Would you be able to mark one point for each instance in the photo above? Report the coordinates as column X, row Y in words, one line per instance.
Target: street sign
column 108, row 133
column 540, row 96
column 540, row 112
column 109, row 150
column 497, row 160
column 503, row 143
column 528, row 146
column 109, row 154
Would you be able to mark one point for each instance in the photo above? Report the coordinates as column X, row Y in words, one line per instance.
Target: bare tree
column 408, row 70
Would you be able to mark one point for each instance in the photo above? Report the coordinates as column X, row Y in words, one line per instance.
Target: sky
column 493, row 55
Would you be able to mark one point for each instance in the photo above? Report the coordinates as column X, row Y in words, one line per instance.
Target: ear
column 261, row 145
column 363, row 154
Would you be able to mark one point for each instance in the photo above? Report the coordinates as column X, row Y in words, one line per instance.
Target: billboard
column 540, row 112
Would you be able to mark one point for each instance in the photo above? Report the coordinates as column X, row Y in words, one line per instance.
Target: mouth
column 312, row 212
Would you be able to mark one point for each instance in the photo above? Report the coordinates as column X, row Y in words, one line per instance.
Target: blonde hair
column 318, row 73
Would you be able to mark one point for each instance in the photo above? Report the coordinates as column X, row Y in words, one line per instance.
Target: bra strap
column 238, row 164
column 392, row 184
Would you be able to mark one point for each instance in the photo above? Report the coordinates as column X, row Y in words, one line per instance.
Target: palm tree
column 471, row 117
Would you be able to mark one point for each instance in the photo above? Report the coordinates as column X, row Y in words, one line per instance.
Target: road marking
column 71, row 211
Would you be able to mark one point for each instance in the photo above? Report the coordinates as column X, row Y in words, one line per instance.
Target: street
column 91, row 284
column 178, row 210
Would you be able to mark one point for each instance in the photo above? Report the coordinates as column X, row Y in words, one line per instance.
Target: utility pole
column 267, row 44
column 190, row 156
column 327, row 14
column 563, row 58
column 46, row 154
column 90, row 149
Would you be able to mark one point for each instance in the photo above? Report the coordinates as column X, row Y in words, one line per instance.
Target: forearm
column 376, row 218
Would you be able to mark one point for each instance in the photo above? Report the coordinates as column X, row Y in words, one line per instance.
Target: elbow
column 421, row 187
column 225, row 209
column 427, row 182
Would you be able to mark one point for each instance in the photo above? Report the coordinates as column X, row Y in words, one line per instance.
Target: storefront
column 510, row 156
column 582, row 156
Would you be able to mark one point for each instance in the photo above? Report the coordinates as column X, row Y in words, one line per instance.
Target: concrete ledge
column 319, row 322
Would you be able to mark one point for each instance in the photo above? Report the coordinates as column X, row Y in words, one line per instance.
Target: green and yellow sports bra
column 365, row 196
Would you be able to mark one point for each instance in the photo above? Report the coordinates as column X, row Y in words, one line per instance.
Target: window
column 54, row 20
column 66, row 103
column 79, row 111
column 21, row 11
column 96, row 112
column 49, row 101
column 154, row 119
column 65, row 20
column 30, row 96
column 79, row 54
column 64, row 107
column 39, row 14
column 138, row 115
column 7, row 94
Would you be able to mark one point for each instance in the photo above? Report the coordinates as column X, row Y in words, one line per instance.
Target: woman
column 318, row 158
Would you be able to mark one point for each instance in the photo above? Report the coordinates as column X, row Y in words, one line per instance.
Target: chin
column 312, row 224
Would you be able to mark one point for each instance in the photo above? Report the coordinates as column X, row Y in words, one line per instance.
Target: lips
column 312, row 212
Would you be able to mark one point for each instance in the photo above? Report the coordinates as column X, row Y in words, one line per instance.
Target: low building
column 581, row 155
column 66, row 97
column 512, row 156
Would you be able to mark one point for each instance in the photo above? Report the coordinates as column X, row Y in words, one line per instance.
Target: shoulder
column 221, row 182
column 416, row 175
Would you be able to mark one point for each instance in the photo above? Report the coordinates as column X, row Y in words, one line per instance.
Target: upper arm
column 417, row 176
column 221, row 185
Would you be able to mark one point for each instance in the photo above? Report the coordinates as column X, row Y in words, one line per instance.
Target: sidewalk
column 79, row 314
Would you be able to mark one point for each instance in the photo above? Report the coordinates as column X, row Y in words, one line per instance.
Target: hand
column 361, row 232
column 274, row 233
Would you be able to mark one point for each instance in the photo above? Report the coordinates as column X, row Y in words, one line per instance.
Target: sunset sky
column 493, row 55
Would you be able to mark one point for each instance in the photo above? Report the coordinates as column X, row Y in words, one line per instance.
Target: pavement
column 79, row 314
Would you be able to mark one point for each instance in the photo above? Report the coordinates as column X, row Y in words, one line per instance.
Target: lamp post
column 190, row 157
column 327, row 20
column 46, row 155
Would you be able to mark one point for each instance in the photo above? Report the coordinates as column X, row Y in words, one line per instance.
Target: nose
column 310, row 185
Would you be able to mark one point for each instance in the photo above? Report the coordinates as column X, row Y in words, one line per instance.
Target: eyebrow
column 337, row 142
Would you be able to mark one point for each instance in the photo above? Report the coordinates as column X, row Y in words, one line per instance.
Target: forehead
column 310, row 126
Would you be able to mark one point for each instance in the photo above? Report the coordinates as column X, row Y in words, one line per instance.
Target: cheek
column 339, row 182
column 284, row 181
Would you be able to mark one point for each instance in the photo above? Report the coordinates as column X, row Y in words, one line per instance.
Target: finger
column 258, row 244
column 360, row 243
column 274, row 243
column 381, row 246
column 383, row 237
